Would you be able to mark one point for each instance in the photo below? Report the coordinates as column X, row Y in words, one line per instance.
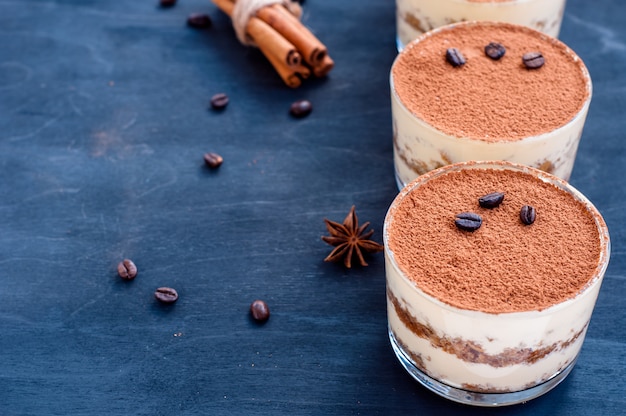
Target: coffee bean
column 495, row 50
column 301, row 108
column 259, row 310
column 219, row 101
column 199, row 20
column 528, row 214
column 127, row 269
column 533, row 60
column 468, row 221
column 213, row 160
column 491, row 200
column 166, row 295
column 455, row 57
column 167, row 3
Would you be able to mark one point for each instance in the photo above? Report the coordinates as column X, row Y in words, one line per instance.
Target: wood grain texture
column 104, row 120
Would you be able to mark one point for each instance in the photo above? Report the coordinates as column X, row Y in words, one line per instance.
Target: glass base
column 476, row 398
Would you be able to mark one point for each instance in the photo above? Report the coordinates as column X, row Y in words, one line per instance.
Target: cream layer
column 491, row 352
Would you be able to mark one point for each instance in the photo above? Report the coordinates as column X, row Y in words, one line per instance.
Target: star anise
column 350, row 240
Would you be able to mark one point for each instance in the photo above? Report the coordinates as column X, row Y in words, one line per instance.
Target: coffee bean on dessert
column 301, row 108
column 491, row 200
column 455, row 57
column 528, row 214
column 495, row 50
column 199, row 20
column 219, row 101
column 166, row 295
column 468, row 221
column 127, row 269
column 167, row 3
column 259, row 311
column 533, row 60
column 213, row 160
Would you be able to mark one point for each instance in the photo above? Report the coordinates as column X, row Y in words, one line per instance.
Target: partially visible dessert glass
column 414, row 17
column 496, row 316
column 487, row 109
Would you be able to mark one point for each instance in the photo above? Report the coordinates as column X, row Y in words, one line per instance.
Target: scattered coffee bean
column 455, row 57
column 199, row 21
column 301, row 108
column 219, row 101
column 127, row 269
column 213, row 160
column 166, row 295
column 533, row 60
column 491, row 200
column 495, row 50
column 167, row 3
column 259, row 310
column 468, row 221
column 528, row 214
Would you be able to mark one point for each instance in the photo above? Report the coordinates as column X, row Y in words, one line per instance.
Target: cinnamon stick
column 263, row 34
column 282, row 39
column 303, row 71
column 285, row 23
column 324, row 67
column 286, row 72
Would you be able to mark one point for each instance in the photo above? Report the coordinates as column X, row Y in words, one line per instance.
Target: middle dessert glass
column 504, row 108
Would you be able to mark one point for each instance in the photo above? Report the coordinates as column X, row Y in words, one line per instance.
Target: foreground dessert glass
column 414, row 17
column 487, row 109
column 498, row 315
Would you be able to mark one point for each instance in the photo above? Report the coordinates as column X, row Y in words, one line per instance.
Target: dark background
column 104, row 119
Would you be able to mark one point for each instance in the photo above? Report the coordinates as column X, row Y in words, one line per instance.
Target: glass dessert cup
column 414, row 17
column 484, row 358
column 421, row 146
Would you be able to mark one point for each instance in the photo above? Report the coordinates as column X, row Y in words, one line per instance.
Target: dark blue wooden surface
column 103, row 123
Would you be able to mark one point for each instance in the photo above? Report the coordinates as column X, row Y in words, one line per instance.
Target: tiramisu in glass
column 414, row 17
column 493, row 270
column 487, row 91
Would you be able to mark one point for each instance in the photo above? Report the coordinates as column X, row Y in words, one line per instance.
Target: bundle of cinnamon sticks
column 290, row 47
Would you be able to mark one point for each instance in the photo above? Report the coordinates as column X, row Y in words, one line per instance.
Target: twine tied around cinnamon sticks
column 275, row 28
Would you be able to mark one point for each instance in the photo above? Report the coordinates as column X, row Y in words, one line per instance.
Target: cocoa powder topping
column 505, row 265
column 486, row 99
